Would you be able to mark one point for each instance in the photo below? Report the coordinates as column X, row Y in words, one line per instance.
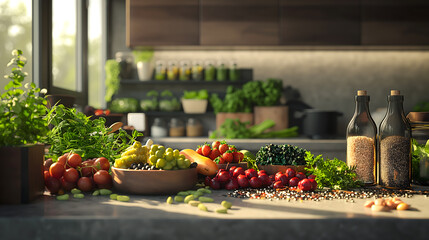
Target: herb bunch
column 331, row 173
column 285, row 154
column 22, row 110
column 73, row 131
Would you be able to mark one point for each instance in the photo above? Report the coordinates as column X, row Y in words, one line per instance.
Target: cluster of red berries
column 221, row 152
column 237, row 177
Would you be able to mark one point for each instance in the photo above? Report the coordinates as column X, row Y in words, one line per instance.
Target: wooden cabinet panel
column 239, row 22
column 400, row 22
column 320, row 22
column 162, row 22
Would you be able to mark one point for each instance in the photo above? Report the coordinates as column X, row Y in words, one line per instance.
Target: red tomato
column 85, row 184
column 74, row 160
column 63, row 159
column 206, row 150
column 102, row 163
column 215, row 145
column 102, row 177
column 66, row 185
column 228, row 156
column 98, row 112
column 87, row 168
column 47, row 164
column 56, row 170
column 223, row 148
column 53, row 184
column 46, row 175
column 71, row 175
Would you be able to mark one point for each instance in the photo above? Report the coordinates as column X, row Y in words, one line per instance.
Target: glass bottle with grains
column 395, row 145
column 361, row 141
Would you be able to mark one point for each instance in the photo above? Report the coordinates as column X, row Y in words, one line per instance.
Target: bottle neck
column 362, row 105
column 395, row 105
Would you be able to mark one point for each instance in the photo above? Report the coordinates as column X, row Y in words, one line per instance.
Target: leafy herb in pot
column 264, row 93
column 143, row 55
column 113, row 69
column 420, row 162
column 22, row 110
column 201, row 94
column 150, row 104
column 235, row 101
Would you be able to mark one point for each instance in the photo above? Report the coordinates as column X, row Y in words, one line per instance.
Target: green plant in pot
column 142, row 59
column 23, row 127
column 151, row 102
column 168, row 102
column 195, row 101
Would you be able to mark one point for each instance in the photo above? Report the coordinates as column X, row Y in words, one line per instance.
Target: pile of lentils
column 348, row 196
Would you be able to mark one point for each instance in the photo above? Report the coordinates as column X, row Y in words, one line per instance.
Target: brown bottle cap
column 361, row 93
column 395, row 92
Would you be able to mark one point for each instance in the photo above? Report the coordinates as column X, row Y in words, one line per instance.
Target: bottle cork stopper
column 361, row 93
column 395, row 92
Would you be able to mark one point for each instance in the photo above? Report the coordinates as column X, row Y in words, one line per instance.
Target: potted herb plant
column 195, row 101
column 265, row 98
column 23, row 127
column 235, row 105
column 142, row 59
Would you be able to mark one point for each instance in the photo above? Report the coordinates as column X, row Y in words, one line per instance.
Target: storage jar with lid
column 234, row 72
column 185, row 71
column 172, row 71
column 362, row 141
column 158, row 128
column 194, row 128
column 209, row 71
column 177, row 128
column 221, row 73
column 197, row 71
column 395, row 145
column 160, row 70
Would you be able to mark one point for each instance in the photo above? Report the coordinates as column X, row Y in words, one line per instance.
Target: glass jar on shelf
column 221, row 73
column 126, row 61
column 185, row 71
column 395, row 145
column 197, row 71
column 234, row 72
column 160, row 70
column 209, row 71
column 361, row 141
column 194, row 128
column 172, row 71
column 158, row 128
column 177, row 128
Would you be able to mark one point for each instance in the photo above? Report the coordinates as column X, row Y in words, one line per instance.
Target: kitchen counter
column 150, row 217
column 327, row 147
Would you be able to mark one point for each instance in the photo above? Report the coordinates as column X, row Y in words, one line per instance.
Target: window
column 15, row 22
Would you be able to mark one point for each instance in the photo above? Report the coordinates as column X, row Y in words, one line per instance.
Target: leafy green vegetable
column 234, row 128
column 75, row 132
column 286, row 154
column 420, row 156
column 22, row 110
column 264, row 93
column 150, row 104
column 421, row 107
column 331, row 173
column 112, row 69
column 124, row 105
column 169, row 103
column 143, row 55
column 235, row 101
column 201, row 94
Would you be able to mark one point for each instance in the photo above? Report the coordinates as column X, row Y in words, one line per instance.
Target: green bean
column 226, row 204
column 78, row 195
column 170, row 200
column 178, row 198
column 105, row 191
column 194, row 203
column 114, row 196
column 75, row 190
column 123, row 198
column 96, row 193
column 202, row 207
column 63, row 197
column 189, row 198
column 205, row 199
column 221, row 210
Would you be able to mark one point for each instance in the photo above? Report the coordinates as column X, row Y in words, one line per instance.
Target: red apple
column 305, row 185
column 238, row 171
column 265, row 180
column 278, row 184
column 300, row 175
column 232, row 184
column 243, row 181
column 290, row 173
column 250, row 173
column 255, row 182
column 293, row 182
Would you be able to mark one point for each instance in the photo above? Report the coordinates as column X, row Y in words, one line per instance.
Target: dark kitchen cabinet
column 239, row 22
column 162, row 22
column 320, row 22
column 395, row 22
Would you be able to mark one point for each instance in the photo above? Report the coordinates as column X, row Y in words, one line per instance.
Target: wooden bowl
column 228, row 166
column 152, row 182
column 418, row 116
column 273, row 169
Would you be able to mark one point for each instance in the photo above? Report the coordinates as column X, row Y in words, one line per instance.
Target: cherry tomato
column 63, row 159
column 71, row 175
column 66, row 185
column 46, row 175
column 102, row 177
column 87, row 168
column 53, row 184
column 74, row 160
column 56, row 170
column 98, row 112
column 102, row 163
column 85, row 184
column 47, row 164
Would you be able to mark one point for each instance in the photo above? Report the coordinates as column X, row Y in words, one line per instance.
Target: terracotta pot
column 273, row 169
column 21, row 173
column 152, row 182
column 243, row 117
column 279, row 114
